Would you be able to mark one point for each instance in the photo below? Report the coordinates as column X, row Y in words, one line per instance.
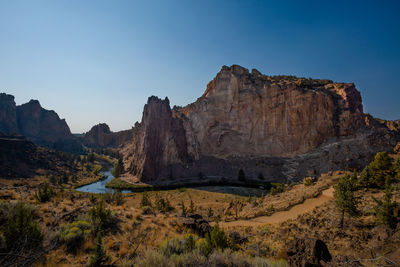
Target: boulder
column 195, row 223
column 307, row 252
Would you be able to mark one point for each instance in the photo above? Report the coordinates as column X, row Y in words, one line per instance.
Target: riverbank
column 120, row 184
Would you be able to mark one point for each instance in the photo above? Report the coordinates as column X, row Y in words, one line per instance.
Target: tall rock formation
column 159, row 141
column 283, row 127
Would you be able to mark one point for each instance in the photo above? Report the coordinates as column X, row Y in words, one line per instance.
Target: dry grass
column 138, row 232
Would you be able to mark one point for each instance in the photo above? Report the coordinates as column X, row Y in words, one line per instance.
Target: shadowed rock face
column 159, row 141
column 100, row 136
column 37, row 124
column 280, row 126
column 41, row 125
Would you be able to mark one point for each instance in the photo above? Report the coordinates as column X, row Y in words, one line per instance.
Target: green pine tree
column 344, row 197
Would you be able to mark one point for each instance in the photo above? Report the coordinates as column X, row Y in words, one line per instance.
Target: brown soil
column 282, row 216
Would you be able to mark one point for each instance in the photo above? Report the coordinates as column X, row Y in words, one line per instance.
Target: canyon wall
column 282, row 127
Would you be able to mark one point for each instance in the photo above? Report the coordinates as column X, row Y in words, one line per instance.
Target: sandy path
column 281, row 216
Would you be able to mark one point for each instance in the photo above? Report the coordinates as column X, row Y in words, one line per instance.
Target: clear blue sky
column 98, row 61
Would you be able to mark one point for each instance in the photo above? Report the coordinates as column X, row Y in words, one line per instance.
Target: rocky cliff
column 282, row 127
column 100, row 136
column 249, row 114
column 159, row 141
column 37, row 124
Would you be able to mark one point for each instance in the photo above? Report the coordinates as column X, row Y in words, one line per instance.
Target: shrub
column 181, row 189
column 163, row 205
column 99, row 257
column 308, row 181
column 154, row 258
column 44, row 193
column 145, row 202
column 183, row 208
column 53, row 179
column 100, row 218
column 179, row 245
column 18, row 228
column 192, row 207
column 73, row 234
column 277, row 188
column 210, row 212
column 215, row 239
column 115, row 197
column 195, row 258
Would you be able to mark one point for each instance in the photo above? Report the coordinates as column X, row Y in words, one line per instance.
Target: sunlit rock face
column 282, row 127
column 248, row 114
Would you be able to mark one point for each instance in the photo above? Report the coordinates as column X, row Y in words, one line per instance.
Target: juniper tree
column 384, row 210
column 376, row 173
column 344, row 197
column 99, row 257
column 118, row 168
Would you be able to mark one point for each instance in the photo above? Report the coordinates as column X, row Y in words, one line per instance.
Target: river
column 100, row 186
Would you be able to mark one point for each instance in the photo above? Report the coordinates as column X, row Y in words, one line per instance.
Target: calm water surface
column 100, row 186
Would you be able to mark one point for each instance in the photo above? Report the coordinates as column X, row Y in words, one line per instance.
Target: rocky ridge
column 39, row 125
column 281, row 127
column 100, row 136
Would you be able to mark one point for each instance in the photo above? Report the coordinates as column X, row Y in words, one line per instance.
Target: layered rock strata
column 281, row 127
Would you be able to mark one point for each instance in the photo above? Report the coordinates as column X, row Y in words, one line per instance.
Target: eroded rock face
column 100, row 136
column 159, row 141
column 282, row 127
column 248, row 114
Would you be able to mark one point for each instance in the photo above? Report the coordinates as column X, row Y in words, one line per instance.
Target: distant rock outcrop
column 282, row 127
column 44, row 127
column 100, row 136
column 41, row 125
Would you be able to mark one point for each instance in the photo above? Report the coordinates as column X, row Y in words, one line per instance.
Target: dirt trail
column 281, row 216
